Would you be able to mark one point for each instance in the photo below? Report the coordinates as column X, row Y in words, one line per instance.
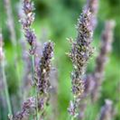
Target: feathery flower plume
column 43, row 73
column 28, row 108
column 106, row 45
column 93, row 81
column 93, row 6
column 43, row 70
column 80, row 54
column 107, row 111
column 26, row 77
column 26, row 22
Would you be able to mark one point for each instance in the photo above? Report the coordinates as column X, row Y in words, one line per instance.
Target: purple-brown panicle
column 105, row 49
column 28, row 108
column 93, row 81
column 28, row 8
column 43, row 70
column 107, row 111
column 43, row 75
column 80, row 54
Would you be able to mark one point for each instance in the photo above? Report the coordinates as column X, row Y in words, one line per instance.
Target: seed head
column 80, row 54
column 44, row 67
column 26, row 21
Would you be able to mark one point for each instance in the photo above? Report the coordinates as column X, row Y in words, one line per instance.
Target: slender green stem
column 6, row 89
column 35, row 90
column 37, row 105
column 32, row 68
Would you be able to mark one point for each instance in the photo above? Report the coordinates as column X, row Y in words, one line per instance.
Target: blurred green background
column 55, row 20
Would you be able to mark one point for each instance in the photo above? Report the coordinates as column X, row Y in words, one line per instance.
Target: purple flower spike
column 26, row 22
column 80, row 54
column 44, row 67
